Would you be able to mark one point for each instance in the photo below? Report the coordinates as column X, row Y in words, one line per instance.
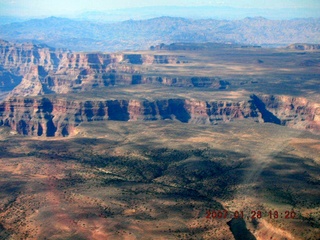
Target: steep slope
column 59, row 116
column 289, row 111
column 41, row 69
column 36, row 70
column 304, row 46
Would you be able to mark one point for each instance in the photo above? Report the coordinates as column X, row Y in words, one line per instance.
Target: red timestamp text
column 255, row 214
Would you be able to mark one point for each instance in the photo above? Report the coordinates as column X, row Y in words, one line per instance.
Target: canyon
column 38, row 79
column 38, row 69
column 59, row 117
column 138, row 144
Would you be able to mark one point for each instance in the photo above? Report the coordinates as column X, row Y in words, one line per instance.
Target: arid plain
column 162, row 144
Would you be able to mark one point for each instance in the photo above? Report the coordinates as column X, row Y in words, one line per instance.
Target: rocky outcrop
column 34, row 70
column 304, row 46
column 47, row 70
column 295, row 112
column 192, row 46
column 8, row 80
column 146, row 59
column 19, row 58
column 59, row 117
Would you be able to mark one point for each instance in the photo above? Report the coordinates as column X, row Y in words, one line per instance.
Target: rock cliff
column 34, row 70
column 37, row 69
column 59, row 117
column 296, row 112
column 304, row 46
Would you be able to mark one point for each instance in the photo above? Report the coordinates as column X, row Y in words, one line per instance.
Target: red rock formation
column 61, row 71
column 45, row 70
column 59, row 117
column 295, row 112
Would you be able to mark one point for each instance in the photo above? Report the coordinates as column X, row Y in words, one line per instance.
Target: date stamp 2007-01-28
column 255, row 214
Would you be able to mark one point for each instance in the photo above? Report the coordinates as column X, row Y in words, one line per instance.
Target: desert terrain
column 182, row 141
column 138, row 180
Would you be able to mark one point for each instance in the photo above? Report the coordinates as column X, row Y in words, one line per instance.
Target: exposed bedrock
column 295, row 112
column 33, row 70
column 304, row 46
column 151, row 59
column 60, row 117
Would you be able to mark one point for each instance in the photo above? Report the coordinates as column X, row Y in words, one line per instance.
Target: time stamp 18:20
column 218, row 214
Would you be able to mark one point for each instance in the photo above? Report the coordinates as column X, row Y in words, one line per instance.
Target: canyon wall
column 29, row 70
column 33, row 70
column 295, row 112
column 304, row 46
column 60, row 117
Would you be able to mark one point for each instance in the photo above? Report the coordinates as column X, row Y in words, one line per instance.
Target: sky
column 39, row 8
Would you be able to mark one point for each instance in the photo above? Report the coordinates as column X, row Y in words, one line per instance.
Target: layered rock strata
column 59, row 117
column 295, row 112
column 304, row 46
column 36, row 69
column 45, row 117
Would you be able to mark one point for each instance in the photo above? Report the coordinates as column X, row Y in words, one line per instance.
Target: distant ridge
column 141, row 34
column 304, row 46
column 198, row 46
column 200, row 12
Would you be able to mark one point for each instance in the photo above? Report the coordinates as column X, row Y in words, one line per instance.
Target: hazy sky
column 69, row 7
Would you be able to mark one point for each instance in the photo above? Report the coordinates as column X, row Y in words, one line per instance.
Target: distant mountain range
column 141, row 34
column 191, row 12
column 200, row 12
